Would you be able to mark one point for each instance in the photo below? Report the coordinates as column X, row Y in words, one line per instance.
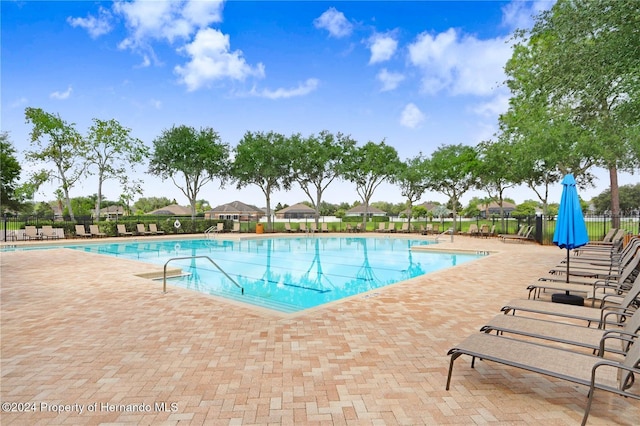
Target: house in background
column 488, row 210
column 172, row 210
column 112, row 212
column 429, row 207
column 235, row 210
column 297, row 211
column 359, row 211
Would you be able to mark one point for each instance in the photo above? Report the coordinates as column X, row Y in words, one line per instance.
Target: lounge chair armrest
column 614, row 310
column 623, row 336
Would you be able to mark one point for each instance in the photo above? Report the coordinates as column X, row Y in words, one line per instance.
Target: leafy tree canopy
column 9, row 174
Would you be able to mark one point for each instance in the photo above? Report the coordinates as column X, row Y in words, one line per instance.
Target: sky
column 415, row 74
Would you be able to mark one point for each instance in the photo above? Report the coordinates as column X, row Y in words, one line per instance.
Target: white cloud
column 411, row 116
column 389, row 80
column 334, row 22
column 382, row 47
column 94, row 26
column 459, row 64
column 303, row 89
column 147, row 21
column 495, row 106
column 19, row 103
column 61, row 95
column 211, row 60
column 520, row 14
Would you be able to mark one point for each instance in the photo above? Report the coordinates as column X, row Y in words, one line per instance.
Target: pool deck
column 81, row 331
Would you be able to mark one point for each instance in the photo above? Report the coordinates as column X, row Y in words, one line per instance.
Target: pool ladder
column 164, row 275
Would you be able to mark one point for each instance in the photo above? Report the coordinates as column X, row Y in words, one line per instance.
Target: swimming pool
column 287, row 274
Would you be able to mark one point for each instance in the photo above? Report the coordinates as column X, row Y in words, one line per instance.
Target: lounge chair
column 236, row 227
column 312, row 227
column 600, row 269
column 349, row 228
column 598, row 289
column 391, row 227
column 287, row 227
column 302, row 227
column 49, row 233
column 381, row 227
column 610, row 305
column 473, row 230
column 153, row 229
column 324, row 227
column 585, row 369
column 405, row 228
column 31, row 233
column 122, row 230
column 95, row 231
column 566, row 334
column 484, row 231
column 524, row 237
column 141, row 229
column 81, row 232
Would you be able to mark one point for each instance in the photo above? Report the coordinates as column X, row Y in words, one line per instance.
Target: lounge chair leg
column 454, row 356
column 588, row 407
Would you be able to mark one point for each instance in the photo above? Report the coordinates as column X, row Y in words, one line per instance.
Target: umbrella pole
column 567, row 267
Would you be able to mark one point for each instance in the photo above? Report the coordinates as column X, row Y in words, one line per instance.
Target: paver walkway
column 85, row 341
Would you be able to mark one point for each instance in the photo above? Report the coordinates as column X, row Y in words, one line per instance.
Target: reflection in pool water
column 289, row 274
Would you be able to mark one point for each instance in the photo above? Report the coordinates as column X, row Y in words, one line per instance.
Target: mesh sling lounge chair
column 122, row 230
column 81, row 232
column 140, row 228
column 611, row 305
column 31, row 233
column 153, row 229
column 597, row 289
column 526, row 235
column 568, row 334
column 94, row 230
column 49, row 233
column 593, row 371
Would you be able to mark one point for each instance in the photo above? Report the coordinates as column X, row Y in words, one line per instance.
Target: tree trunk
column 615, row 197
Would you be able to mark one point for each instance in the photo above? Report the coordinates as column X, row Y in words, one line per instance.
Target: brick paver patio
column 86, row 341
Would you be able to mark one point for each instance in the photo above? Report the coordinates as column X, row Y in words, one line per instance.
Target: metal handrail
column 164, row 277
column 210, row 229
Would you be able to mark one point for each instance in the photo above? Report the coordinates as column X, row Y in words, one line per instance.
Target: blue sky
column 418, row 74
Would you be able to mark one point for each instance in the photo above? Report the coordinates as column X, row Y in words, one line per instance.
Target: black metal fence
column 544, row 226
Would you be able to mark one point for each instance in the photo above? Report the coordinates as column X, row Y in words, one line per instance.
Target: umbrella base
column 567, row 299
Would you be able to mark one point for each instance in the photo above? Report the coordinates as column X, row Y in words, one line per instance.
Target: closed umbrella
column 571, row 231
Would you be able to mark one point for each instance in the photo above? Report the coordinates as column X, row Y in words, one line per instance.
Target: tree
column 629, row 200
column 197, row 156
column 410, row 179
column 56, row 141
column 149, row 204
column 263, row 159
column 318, row 162
column 450, row 171
column 496, row 171
column 114, row 153
column 582, row 65
column 130, row 188
column 9, row 174
column 368, row 166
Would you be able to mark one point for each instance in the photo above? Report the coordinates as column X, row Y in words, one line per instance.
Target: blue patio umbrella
column 571, row 231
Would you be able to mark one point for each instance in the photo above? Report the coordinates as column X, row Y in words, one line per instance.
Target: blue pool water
column 287, row 274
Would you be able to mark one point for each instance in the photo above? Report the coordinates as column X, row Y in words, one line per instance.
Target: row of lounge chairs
column 302, row 227
column 592, row 346
column 94, row 231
